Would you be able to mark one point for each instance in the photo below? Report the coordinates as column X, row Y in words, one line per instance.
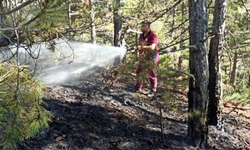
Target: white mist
column 54, row 68
column 86, row 56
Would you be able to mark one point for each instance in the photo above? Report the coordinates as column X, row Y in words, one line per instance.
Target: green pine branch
column 19, row 121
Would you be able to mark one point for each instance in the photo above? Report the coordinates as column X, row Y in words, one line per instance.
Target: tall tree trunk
column 173, row 23
column 3, row 40
column 198, row 63
column 248, row 78
column 182, row 36
column 234, row 69
column 1, row 9
column 92, row 15
column 117, row 23
column 215, row 53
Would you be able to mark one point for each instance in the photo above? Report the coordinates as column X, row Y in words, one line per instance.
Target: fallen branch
column 236, row 107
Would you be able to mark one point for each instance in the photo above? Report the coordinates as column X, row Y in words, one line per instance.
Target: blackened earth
column 91, row 116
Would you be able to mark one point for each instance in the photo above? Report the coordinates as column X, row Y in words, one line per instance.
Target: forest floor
column 90, row 116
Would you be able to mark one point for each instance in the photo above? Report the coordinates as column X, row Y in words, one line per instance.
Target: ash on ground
column 91, row 116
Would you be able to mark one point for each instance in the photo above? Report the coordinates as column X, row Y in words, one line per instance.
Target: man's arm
column 147, row 47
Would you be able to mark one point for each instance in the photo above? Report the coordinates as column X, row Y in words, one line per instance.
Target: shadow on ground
column 84, row 126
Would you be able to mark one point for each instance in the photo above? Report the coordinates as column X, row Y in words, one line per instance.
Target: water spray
column 70, row 60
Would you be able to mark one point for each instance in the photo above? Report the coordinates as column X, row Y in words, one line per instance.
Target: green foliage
column 194, row 114
column 236, row 42
column 131, row 65
column 39, row 21
column 164, row 62
column 170, row 103
column 19, row 121
column 52, row 21
column 241, row 97
column 171, row 82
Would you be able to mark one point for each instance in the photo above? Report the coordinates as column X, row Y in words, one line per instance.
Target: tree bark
column 117, row 23
column 92, row 15
column 1, row 10
column 198, row 63
column 248, row 78
column 234, row 69
column 215, row 53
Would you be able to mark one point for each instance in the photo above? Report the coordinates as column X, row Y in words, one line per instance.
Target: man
column 148, row 49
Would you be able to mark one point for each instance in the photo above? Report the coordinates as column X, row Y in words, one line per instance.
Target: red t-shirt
column 150, row 38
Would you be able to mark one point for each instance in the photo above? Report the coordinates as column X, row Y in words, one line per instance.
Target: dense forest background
column 205, row 49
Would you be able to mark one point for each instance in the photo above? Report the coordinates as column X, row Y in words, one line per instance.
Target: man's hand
column 139, row 48
column 130, row 48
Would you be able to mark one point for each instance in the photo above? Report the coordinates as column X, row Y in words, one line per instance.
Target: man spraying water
column 149, row 56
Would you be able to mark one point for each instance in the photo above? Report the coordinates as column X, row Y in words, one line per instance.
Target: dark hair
column 146, row 22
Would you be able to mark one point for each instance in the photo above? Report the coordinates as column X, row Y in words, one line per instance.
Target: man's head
column 145, row 26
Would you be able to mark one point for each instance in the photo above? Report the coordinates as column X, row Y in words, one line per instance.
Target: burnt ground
column 89, row 115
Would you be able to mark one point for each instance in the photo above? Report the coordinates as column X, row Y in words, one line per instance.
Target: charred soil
column 89, row 116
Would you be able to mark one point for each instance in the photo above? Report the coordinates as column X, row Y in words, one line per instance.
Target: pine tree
column 23, row 118
column 198, row 87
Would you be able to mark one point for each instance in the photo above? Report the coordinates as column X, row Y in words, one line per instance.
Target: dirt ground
column 90, row 116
